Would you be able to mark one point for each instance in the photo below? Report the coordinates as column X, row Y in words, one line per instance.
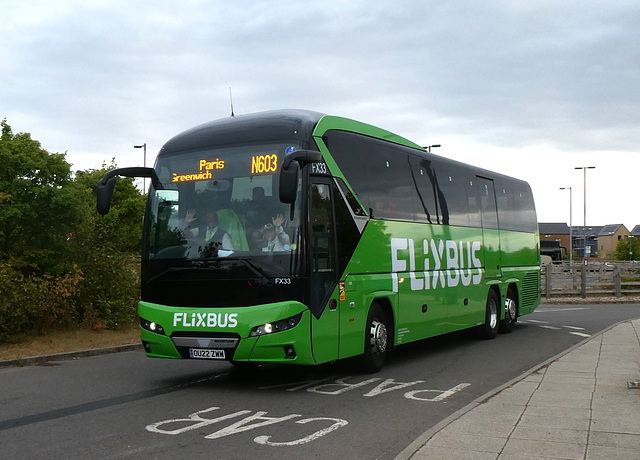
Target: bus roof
column 288, row 125
column 276, row 125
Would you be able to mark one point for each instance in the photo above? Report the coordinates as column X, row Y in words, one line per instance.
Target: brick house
column 608, row 238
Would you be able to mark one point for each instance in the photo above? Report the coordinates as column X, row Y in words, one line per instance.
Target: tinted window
column 516, row 209
column 396, row 182
column 353, row 203
column 423, row 176
column 457, row 195
column 322, row 245
column 379, row 173
column 487, row 202
column 347, row 228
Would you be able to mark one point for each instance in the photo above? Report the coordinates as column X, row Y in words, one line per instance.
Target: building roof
column 593, row 230
column 560, row 228
column 610, row 229
column 553, row 228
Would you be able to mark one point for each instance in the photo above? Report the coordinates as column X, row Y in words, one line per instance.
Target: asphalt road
column 126, row 405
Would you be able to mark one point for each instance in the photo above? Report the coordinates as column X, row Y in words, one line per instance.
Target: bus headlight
column 277, row 326
column 151, row 326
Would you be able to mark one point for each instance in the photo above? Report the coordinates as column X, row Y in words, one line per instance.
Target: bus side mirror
column 289, row 182
column 290, row 170
column 108, row 182
column 105, row 192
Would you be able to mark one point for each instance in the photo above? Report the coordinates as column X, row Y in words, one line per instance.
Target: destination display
column 259, row 164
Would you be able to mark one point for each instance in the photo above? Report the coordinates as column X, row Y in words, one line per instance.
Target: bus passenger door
column 490, row 229
column 325, row 328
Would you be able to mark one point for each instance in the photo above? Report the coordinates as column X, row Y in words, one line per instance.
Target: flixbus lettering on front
column 205, row 319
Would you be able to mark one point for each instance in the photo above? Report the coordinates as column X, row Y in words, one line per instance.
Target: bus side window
column 516, row 210
column 322, row 246
column 422, row 176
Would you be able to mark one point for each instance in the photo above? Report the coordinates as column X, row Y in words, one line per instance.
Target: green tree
column 625, row 246
column 61, row 263
column 121, row 228
column 37, row 208
column 107, row 251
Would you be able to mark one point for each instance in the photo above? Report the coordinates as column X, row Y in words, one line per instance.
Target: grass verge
column 75, row 340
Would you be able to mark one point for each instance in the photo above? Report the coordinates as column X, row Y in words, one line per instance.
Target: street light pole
column 570, row 224
column 584, row 168
column 428, row 147
column 144, row 179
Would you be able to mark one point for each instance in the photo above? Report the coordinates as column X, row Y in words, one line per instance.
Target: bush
column 36, row 304
column 110, row 290
column 14, row 295
column 53, row 304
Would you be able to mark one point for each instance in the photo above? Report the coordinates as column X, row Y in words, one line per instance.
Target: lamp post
column 144, row 179
column 570, row 224
column 428, row 147
column 584, row 168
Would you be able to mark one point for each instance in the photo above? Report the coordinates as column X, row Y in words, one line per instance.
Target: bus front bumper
column 252, row 335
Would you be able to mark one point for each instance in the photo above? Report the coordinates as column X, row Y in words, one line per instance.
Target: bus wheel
column 376, row 345
column 489, row 329
column 510, row 313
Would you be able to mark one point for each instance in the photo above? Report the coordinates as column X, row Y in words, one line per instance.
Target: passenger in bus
column 258, row 212
column 256, row 208
column 277, row 240
column 212, row 233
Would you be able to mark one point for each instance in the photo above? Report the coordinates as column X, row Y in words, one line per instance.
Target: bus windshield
column 219, row 204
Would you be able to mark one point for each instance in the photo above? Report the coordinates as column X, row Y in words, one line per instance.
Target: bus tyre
column 489, row 329
column 510, row 313
column 376, row 340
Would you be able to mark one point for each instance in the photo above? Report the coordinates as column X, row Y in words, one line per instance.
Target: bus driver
column 212, row 233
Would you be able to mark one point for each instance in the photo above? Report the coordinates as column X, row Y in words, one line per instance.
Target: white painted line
column 536, row 321
column 550, row 327
column 580, row 334
column 575, row 328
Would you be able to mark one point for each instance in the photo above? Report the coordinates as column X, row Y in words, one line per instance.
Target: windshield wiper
column 257, row 271
column 194, row 265
column 215, row 265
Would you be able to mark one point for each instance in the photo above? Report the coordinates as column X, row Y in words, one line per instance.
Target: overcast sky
column 528, row 88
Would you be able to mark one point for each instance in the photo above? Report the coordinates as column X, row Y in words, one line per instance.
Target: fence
column 596, row 279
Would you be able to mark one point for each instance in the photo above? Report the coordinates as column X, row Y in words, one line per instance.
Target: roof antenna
column 231, row 99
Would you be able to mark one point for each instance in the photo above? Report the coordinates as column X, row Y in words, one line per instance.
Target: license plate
column 204, row 353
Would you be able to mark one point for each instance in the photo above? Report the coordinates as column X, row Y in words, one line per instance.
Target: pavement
column 581, row 404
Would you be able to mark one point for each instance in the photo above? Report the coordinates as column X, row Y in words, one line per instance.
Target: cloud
column 96, row 78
